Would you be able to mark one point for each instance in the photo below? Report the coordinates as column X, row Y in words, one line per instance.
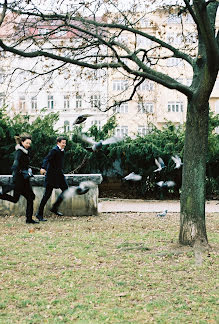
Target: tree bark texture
column 192, row 216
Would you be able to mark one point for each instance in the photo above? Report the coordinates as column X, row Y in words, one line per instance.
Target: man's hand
column 42, row 171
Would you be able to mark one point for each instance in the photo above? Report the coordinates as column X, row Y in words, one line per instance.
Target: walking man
column 52, row 168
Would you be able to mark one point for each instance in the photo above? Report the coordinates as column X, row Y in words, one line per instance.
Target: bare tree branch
column 37, row 74
column 96, row 34
column 4, row 8
column 121, row 27
column 191, row 11
column 146, row 72
column 56, row 57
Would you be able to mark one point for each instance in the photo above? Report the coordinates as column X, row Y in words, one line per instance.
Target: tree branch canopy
column 94, row 42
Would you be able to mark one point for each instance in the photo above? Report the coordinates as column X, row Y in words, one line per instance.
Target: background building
column 71, row 91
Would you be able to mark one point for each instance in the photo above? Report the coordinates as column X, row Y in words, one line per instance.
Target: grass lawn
column 112, row 268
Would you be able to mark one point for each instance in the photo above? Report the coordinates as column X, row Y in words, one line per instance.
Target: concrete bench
column 75, row 206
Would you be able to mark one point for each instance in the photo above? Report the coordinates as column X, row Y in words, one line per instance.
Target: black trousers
column 16, row 195
column 47, row 195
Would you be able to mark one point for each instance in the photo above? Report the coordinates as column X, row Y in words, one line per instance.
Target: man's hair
column 60, row 138
column 22, row 137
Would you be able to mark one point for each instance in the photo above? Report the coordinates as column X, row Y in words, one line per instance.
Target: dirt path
column 148, row 206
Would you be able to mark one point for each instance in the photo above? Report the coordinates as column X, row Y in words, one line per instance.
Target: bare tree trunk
column 192, row 216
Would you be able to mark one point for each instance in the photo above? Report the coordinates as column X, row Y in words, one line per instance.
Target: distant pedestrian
column 52, row 168
column 21, row 174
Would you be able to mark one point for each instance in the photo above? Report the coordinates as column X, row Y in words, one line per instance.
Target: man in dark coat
column 52, row 168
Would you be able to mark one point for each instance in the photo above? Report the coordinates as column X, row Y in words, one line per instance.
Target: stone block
column 79, row 205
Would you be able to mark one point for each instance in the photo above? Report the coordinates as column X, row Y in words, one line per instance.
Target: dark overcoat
column 21, row 162
column 53, row 164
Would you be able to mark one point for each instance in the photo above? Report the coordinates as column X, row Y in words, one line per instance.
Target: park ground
column 112, row 268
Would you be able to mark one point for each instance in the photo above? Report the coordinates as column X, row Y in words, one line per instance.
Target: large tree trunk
column 192, row 217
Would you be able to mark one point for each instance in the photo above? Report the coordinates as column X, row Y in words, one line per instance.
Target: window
column 175, row 106
column 143, row 42
column 66, row 102
column 217, row 107
column 174, row 19
column 120, row 85
column 180, row 80
column 125, row 60
column 61, row 33
column 34, row 103
column 189, row 19
column 22, row 76
column 120, row 20
column 66, row 126
column 188, row 82
column 146, row 85
column 43, row 31
column 22, row 103
column 174, row 38
column 122, row 109
column 78, row 101
column 2, row 77
column 95, row 101
column 191, row 38
column 121, row 131
column 174, row 61
column 145, row 22
column 144, row 130
column 2, row 99
column 96, row 74
column 123, row 38
column 50, row 102
column 97, row 123
column 145, row 107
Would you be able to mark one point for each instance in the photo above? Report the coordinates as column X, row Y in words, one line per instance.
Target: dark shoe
column 41, row 219
column 31, row 221
column 56, row 212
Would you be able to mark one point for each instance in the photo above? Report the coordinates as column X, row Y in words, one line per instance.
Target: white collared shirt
column 60, row 148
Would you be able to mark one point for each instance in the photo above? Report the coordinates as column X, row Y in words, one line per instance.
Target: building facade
column 71, row 91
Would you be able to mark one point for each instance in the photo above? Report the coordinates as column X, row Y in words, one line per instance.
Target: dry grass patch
column 113, row 268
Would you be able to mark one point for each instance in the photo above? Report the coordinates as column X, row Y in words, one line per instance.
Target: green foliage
column 130, row 155
column 106, row 131
column 213, row 157
column 138, row 156
column 43, row 137
column 76, row 151
column 213, row 139
column 41, row 129
column 6, row 139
